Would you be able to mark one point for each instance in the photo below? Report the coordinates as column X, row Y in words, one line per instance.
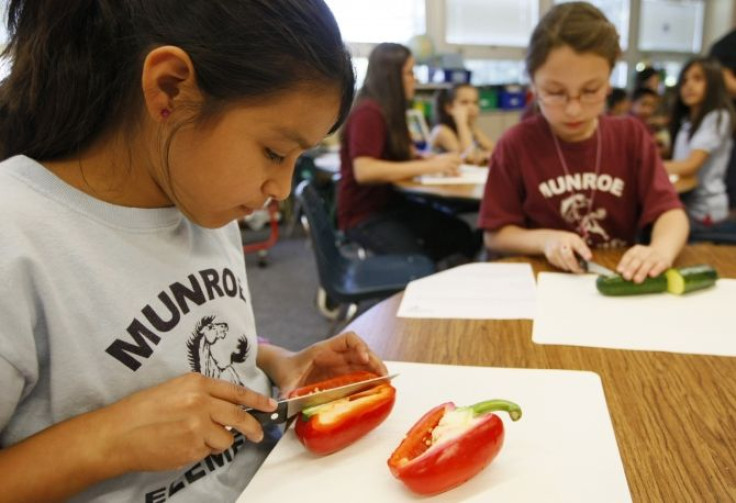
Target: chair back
column 331, row 263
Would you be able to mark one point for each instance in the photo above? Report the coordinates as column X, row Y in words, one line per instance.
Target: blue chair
column 348, row 281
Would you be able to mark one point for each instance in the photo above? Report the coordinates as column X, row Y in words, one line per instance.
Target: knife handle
column 277, row 416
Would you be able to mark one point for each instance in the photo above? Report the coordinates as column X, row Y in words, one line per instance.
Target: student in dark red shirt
column 572, row 179
column 376, row 150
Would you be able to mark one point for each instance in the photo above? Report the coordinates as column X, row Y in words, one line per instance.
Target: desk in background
column 674, row 414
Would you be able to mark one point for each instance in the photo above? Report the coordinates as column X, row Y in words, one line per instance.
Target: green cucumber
column 617, row 285
column 689, row 279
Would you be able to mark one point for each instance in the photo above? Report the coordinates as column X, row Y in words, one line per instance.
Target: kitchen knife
column 596, row 268
column 292, row 406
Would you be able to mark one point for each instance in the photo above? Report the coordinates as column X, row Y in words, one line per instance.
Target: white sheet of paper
column 482, row 291
column 552, row 454
column 570, row 311
column 469, row 175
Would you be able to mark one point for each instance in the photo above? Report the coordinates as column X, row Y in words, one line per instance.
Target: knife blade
column 595, row 268
column 290, row 407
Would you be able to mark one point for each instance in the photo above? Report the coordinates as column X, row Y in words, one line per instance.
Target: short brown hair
column 578, row 25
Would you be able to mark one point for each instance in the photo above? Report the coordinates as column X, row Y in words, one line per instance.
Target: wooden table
column 674, row 414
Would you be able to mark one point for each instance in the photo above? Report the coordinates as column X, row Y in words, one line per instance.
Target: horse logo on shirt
column 576, row 210
column 213, row 353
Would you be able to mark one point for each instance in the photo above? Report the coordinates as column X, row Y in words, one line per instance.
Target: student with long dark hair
column 376, row 150
column 702, row 126
column 572, row 180
column 456, row 125
column 134, row 134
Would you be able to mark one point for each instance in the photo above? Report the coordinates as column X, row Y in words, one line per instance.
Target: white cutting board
column 570, row 311
column 562, row 450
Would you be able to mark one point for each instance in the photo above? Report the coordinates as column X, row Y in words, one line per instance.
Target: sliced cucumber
column 617, row 285
column 689, row 279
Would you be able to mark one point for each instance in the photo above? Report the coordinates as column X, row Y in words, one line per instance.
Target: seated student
column 456, row 125
column 618, row 102
column 648, row 77
column 376, row 150
column 724, row 50
column 651, row 78
column 703, row 123
column 644, row 103
column 590, row 180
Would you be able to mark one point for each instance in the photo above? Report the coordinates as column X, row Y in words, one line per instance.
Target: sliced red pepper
column 430, row 465
column 324, row 429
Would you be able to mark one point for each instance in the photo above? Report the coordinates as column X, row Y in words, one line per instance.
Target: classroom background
column 483, row 41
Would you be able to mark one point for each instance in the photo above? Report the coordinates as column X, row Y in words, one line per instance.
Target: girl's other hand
column 563, row 248
column 180, row 421
column 641, row 261
column 335, row 356
column 447, row 164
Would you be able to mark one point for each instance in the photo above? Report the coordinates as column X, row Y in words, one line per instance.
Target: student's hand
column 460, row 114
column 641, row 261
column 563, row 250
column 476, row 156
column 335, row 356
column 178, row 422
column 447, row 164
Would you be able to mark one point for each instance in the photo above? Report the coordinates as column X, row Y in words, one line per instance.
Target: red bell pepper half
column 449, row 445
column 327, row 428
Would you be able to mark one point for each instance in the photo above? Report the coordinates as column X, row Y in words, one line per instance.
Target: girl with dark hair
column 134, row 134
column 376, row 150
column 456, row 125
column 572, row 179
column 702, row 125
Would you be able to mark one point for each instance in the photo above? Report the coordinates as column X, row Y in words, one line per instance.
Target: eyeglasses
column 562, row 98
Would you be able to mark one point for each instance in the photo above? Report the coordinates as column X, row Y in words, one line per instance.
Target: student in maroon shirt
column 572, row 179
column 376, row 150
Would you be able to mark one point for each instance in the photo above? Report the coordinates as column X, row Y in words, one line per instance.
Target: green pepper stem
column 481, row 408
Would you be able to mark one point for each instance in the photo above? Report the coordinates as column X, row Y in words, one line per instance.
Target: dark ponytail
column 76, row 64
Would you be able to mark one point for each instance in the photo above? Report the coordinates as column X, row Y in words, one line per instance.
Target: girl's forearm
column 465, row 137
column 515, row 239
column 370, row 170
column 669, row 233
column 59, row 462
column 689, row 166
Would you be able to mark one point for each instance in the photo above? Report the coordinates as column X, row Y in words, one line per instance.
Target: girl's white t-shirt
column 709, row 200
column 99, row 301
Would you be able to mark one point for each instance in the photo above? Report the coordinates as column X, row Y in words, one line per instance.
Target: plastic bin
column 488, row 98
column 512, row 98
